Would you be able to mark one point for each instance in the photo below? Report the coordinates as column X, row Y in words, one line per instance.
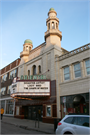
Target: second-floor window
column 77, row 70
column 66, row 73
column 28, row 72
column 13, row 74
column 8, row 91
column 34, row 70
column 4, row 77
column 39, row 69
column 3, row 90
column 87, row 63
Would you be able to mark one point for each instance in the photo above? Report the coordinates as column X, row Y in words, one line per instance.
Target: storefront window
column 17, row 110
column 75, row 104
column 48, row 111
column 9, row 106
column 3, row 104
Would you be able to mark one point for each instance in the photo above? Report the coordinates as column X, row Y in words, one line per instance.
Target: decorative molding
column 74, row 52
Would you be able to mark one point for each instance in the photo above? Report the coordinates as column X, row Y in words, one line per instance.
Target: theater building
column 51, row 81
column 35, row 92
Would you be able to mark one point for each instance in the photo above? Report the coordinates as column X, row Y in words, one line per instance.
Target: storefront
column 8, row 105
column 78, row 103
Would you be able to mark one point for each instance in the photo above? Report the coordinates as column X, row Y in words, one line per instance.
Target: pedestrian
column 1, row 111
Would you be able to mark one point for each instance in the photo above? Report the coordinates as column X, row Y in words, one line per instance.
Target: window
column 77, row 70
column 53, row 25
column 3, row 90
column 87, row 62
column 26, row 48
column 34, row 70
column 29, row 48
column 69, row 120
column 28, row 72
column 9, row 106
column 74, row 121
column 39, row 69
column 56, row 26
column 66, row 73
column 8, row 91
column 4, row 78
column 83, row 121
column 13, row 74
column 48, row 109
column 48, row 26
column 3, row 104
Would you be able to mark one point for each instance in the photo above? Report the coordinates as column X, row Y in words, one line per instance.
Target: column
column 61, row 75
column 71, row 72
column 82, row 69
column 5, row 107
column 37, row 70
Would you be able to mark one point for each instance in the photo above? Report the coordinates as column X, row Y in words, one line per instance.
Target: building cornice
column 74, row 52
column 52, row 18
column 53, row 32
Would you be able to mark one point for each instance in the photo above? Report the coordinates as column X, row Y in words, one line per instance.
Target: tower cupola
column 53, row 36
column 27, row 47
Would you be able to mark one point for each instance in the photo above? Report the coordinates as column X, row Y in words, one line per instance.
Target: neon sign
column 33, row 77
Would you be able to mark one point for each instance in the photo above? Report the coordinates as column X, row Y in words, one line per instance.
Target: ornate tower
column 53, row 36
column 27, row 47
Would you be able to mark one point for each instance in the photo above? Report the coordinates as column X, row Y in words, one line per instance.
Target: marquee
column 30, row 88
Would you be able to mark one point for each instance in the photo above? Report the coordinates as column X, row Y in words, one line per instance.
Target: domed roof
column 51, row 9
column 28, row 41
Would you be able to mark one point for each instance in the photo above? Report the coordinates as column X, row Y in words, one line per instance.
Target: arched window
column 39, row 69
column 48, row 26
column 26, row 48
column 28, row 72
column 29, row 48
column 34, row 70
column 56, row 26
column 53, row 25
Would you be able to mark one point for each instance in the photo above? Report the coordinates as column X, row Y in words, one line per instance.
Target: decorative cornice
column 24, row 53
column 53, row 32
column 74, row 52
column 52, row 18
column 52, row 11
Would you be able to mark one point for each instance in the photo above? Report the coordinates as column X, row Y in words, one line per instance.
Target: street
column 12, row 129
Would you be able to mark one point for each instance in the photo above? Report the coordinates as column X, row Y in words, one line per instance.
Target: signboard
column 14, row 88
column 30, row 88
column 33, row 77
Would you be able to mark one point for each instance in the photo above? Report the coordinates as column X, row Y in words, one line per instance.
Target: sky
column 26, row 19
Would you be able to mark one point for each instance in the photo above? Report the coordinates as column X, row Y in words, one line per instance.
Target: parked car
column 74, row 124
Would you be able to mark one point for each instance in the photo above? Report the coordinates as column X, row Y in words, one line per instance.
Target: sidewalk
column 30, row 124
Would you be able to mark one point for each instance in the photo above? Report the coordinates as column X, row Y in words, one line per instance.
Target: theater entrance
column 35, row 112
